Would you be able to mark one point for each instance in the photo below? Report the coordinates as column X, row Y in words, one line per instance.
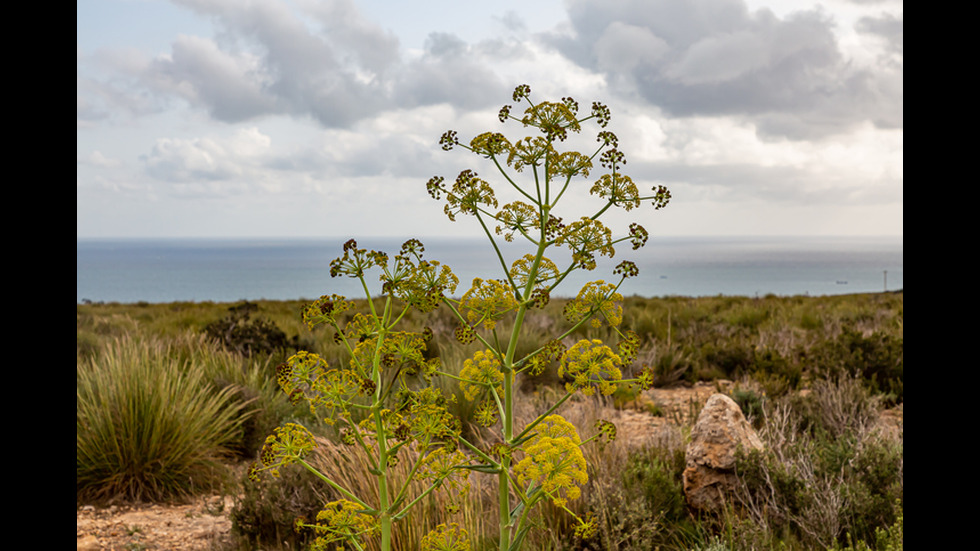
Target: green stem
column 541, row 417
column 500, row 256
column 334, row 485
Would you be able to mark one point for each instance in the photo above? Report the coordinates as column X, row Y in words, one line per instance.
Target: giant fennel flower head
column 553, row 461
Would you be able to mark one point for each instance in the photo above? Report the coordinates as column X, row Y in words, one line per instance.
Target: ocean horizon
column 233, row 269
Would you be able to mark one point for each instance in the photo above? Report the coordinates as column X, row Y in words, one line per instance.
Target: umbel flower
column 553, row 461
column 487, row 301
column 341, row 521
column 590, row 364
column 287, row 444
column 306, row 376
column 446, row 538
column 596, row 297
column 479, row 376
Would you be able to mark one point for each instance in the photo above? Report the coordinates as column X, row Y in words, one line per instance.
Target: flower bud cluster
column 487, row 301
column 553, row 461
column 446, row 538
column 589, row 365
column 284, row 446
column 596, row 297
column 341, row 521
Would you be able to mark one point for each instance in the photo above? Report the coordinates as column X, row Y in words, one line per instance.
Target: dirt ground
column 201, row 525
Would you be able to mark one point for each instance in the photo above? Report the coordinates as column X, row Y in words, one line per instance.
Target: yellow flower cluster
column 430, row 419
column 553, row 461
column 420, row 283
column 490, row 144
column 516, row 217
column 325, row 309
column 554, row 119
column 446, row 538
column 288, row 443
column 529, row 152
column 596, row 297
column 480, row 372
column 445, row 468
column 306, row 376
column 585, row 238
column 487, row 301
column 342, row 520
column 401, row 348
column 591, row 365
column 571, row 163
column 618, row 189
column 468, row 193
column 520, row 271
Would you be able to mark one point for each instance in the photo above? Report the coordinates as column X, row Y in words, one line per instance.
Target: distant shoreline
column 310, row 299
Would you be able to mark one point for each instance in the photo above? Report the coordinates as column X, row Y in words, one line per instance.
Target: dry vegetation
column 813, row 373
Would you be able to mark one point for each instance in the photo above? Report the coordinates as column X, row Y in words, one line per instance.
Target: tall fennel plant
column 543, row 460
column 381, row 400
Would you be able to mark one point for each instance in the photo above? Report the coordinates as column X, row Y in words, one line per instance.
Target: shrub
column 639, row 503
column 266, row 513
column 750, row 402
column 890, row 538
column 825, row 472
column 238, row 332
column 878, row 360
column 149, row 427
column 777, row 374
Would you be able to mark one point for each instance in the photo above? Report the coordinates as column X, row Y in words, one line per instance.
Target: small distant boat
column 842, row 282
column 663, row 277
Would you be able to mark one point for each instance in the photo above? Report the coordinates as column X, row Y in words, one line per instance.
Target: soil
column 200, row 525
column 204, row 524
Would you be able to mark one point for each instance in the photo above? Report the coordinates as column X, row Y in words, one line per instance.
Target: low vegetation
column 171, row 396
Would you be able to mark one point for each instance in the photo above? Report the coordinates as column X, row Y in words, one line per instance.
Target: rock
column 720, row 430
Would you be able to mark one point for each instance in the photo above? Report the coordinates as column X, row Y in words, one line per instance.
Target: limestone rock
column 710, row 470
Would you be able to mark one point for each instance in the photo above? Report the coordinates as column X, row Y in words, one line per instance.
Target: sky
column 322, row 118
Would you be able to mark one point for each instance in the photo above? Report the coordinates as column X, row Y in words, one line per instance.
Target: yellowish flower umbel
column 553, row 461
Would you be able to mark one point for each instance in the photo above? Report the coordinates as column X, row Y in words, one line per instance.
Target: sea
column 230, row 270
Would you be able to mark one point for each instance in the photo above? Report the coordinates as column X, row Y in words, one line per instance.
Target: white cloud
column 771, row 120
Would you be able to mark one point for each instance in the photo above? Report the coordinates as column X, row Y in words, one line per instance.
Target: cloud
column 211, row 166
column 229, row 87
column 715, row 58
column 323, row 61
column 310, row 105
column 98, row 159
column 886, row 26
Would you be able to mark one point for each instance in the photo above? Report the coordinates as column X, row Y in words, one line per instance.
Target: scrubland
column 171, row 397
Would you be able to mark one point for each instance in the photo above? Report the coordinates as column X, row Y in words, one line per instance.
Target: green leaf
column 519, row 539
column 525, row 438
column 489, row 469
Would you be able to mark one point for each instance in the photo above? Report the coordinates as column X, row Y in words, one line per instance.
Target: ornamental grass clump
column 149, row 426
column 383, row 398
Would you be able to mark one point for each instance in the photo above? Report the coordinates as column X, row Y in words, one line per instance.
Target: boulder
column 709, row 475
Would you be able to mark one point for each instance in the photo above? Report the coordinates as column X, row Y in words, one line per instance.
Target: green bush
column 877, row 359
column 890, row 538
column 267, row 509
column 149, row 428
column 645, row 506
column 750, row 402
column 825, row 473
column 239, row 332
column 777, row 374
column 733, row 359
